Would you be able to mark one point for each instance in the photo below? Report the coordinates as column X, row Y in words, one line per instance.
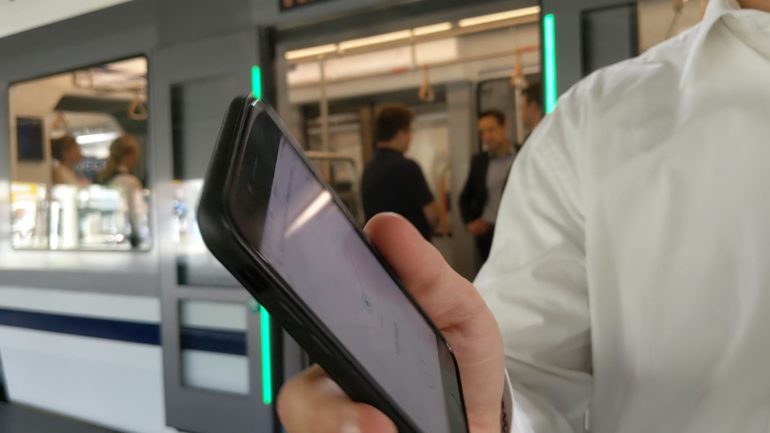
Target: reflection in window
column 28, row 211
column 341, row 173
column 78, row 159
column 196, row 266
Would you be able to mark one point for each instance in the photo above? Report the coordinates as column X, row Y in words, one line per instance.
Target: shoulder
column 599, row 112
column 653, row 74
column 478, row 160
column 480, row 157
column 125, row 180
column 628, row 90
column 409, row 168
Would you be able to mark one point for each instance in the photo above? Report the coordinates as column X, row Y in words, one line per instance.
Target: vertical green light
column 267, row 368
column 256, row 82
column 549, row 51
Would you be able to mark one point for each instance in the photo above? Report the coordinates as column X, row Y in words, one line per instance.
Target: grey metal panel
column 223, row 294
column 609, row 36
column 337, row 14
column 268, row 11
column 125, row 30
column 16, row 418
column 569, row 47
column 461, row 114
column 220, row 65
column 198, row 106
column 127, row 282
column 119, row 32
column 184, row 20
column 322, row 29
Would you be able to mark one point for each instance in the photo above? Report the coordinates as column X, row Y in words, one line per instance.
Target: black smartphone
column 271, row 220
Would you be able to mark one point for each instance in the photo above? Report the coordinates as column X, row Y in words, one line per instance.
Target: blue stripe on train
column 208, row 340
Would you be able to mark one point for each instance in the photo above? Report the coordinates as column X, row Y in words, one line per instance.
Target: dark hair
column 534, row 94
column 61, row 145
column 391, row 119
column 497, row 114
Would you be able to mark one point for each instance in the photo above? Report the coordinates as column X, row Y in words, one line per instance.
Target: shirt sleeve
column 535, row 280
column 416, row 185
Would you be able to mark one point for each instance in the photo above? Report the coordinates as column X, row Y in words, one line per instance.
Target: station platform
column 15, row 418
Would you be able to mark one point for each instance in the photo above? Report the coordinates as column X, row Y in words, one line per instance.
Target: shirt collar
column 510, row 152
column 388, row 150
column 715, row 11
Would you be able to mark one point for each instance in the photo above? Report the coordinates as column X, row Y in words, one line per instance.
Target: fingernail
column 350, row 427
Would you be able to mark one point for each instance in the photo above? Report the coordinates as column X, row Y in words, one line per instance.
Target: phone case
column 258, row 277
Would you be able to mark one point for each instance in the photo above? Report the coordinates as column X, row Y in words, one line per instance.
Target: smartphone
column 268, row 216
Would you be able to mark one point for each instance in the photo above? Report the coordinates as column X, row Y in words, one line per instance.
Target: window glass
column 78, row 158
column 197, row 108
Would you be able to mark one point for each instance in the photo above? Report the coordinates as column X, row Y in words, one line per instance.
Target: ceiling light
column 374, row 40
column 96, row 138
column 502, row 16
column 311, row 52
column 435, row 28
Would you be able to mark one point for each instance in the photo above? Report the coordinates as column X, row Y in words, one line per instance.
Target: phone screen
column 311, row 243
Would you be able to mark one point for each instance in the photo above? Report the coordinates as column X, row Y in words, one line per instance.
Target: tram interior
column 94, row 105
column 333, row 92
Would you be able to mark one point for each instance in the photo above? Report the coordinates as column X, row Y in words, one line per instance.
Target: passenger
column 531, row 107
column 393, row 183
column 629, row 277
column 125, row 153
column 480, row 197
column 67, row 155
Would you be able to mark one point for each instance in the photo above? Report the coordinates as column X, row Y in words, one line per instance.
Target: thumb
column 457, row 309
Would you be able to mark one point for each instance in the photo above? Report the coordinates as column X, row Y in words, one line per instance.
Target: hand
column 312, row 403
column 479, row 227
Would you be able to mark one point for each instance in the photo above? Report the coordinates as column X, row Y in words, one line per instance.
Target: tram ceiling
column 429, row 33
column 513, row 53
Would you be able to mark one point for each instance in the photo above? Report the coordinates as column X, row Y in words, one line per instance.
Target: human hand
column 479, row 227
column 313, row 403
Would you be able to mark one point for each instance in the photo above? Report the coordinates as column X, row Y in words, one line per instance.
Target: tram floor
column 21, row 419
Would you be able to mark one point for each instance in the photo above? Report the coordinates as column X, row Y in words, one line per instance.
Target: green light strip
column 549, row 47
column 256, row 82
column 267, row 368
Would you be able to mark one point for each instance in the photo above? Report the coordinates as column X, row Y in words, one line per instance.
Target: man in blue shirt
column 393, row 183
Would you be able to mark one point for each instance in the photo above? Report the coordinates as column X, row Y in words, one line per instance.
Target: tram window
column 196, row 115
column 78, row 141
column 212, row 341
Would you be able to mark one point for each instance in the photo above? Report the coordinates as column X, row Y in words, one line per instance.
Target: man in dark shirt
column 480, row 198
column 393, row 183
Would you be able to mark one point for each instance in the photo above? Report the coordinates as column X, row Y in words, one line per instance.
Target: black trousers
column 484, row 244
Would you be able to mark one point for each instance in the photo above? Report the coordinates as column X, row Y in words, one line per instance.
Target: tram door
column 219, row 350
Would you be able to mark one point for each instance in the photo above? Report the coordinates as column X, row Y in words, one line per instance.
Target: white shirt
column 497, row 174
column 133, row 192
column 630, row 271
